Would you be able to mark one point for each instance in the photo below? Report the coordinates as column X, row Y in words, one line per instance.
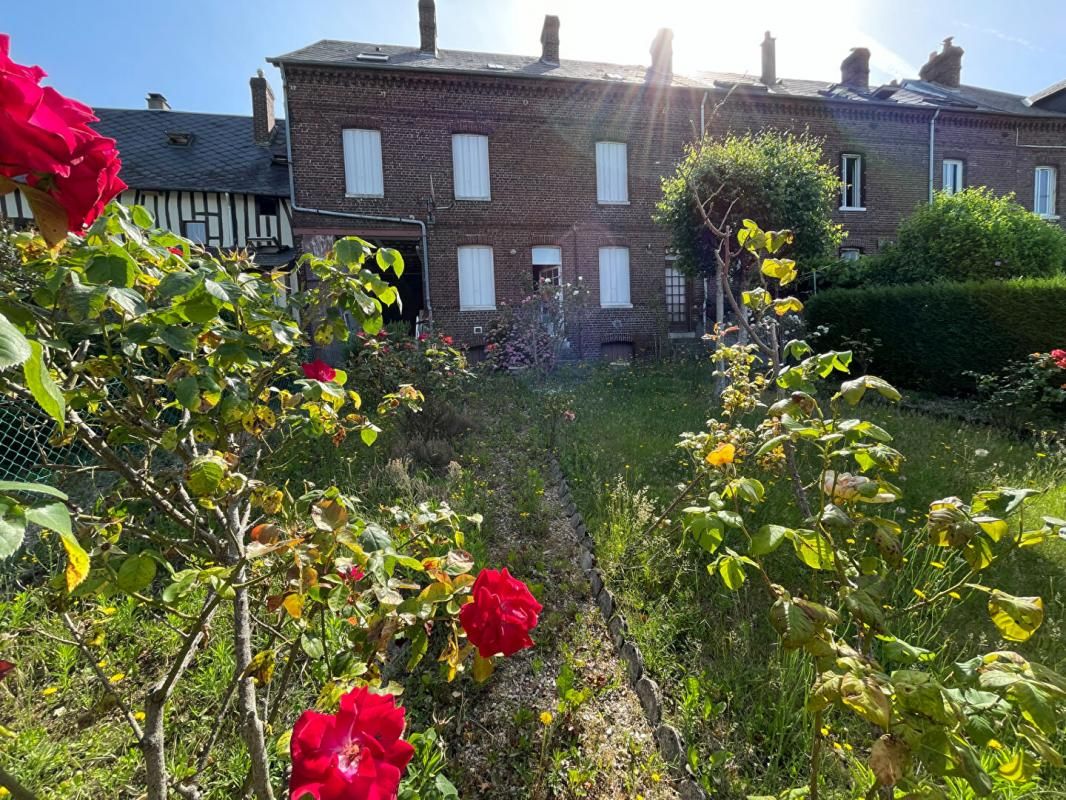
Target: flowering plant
column 1029, row 393
column 49, row 152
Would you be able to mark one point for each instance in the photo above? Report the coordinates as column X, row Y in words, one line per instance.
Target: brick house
column 490, row 170
column 218, row 179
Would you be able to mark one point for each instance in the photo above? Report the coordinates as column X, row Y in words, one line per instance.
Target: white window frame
column 957, row 167
column 610, row 294
column 850, row 253
column 853, row 192
column 467, row 185
column 466, row 287
column 607, row 187
column 372, row 183
column 185, row 230
column 1051, row 212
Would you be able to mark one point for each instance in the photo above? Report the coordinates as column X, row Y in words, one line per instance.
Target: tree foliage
column 778, row 178
column 971, row 235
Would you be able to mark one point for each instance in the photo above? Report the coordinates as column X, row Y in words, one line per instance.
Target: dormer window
column 379, row 58
column 179, row 138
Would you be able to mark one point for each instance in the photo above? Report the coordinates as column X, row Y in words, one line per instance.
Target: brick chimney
column 156, row 102
column 427, row 26
column 262, row 109
column 944, row 67
column 662, row 56
column 549, row 40
column 855, row 69
column 769, row 60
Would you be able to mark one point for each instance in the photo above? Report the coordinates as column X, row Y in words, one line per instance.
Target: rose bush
column 67, row 171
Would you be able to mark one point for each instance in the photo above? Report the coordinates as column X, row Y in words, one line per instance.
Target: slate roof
column 221, row 156
column 333, row 53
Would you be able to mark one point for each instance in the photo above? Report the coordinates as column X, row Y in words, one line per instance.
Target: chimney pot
column 769, row 60
column 549, row 40
column 427, row 26
column 855, row 69
column 662, row 56
column 944, row 67
column 157, row 102
column 262, row 109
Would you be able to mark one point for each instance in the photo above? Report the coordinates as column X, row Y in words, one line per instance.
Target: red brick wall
column 542, row 137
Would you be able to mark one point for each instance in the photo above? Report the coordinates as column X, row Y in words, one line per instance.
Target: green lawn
column 733, row 692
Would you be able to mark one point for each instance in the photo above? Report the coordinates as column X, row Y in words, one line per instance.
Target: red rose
column 448, row 340
column 319, row 370
column 355, row 754
column 1059, row 357
column 45, row 138
column 501, row 615
column 423, row 336
column 352, row 574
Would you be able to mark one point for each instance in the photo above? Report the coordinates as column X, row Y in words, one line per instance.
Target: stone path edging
column 667, row 737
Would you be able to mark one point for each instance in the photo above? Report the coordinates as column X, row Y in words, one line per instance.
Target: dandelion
column 51, row 690
column 546, row 718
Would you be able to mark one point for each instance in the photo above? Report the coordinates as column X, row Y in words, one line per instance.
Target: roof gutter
column 349, row 214
column 932, row 153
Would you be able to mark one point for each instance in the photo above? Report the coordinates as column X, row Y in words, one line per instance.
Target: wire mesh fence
column 26, row 448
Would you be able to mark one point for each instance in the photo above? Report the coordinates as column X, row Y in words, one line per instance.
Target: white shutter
column 477, row 283
column 614, row 277
column 612, row 173
column 470, row 161
column 362, row 163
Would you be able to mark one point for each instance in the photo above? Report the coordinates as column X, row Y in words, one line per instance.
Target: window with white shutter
column 362, row 163
column 851, row 191
column 1044, row 199
column 612, row 173
column 952, row 176
column 614, row 277
column 470, row 161
column 477, row 283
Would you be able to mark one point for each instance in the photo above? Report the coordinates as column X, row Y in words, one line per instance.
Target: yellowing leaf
column 482, row 668
column 294, row 604
column 721, row 455
column 1018, row 769
column 77, row 561
column 731, row 572
column 1016, row 617
column 787, row 304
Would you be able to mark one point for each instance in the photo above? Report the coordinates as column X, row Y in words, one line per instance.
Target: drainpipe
column 350, row 214
column 703, row 103
column 932, row 144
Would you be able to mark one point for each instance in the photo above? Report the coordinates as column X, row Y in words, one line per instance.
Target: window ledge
column 616, row 305
column 365, row 196
column 474, row 199
column 612, row 202
column 852, row 208
column 1050, row 217
column 478, row 308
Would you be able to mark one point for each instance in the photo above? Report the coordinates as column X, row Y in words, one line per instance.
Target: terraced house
column 218, row 179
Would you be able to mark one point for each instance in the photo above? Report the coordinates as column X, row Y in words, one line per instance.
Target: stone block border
column 671, row 745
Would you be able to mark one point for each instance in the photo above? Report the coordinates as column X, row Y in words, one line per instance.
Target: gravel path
column 596, row 742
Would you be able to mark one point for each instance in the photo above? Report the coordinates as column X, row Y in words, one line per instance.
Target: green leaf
column 44, row 390
column 39, row 488
column 374, row 537
column 388, row 258
column 179, row 338
column 768, row 539
column 852, row 391
column 129, row 301
column 53, row 516
column 369, row 435
column 731, row 572
column 111, row 271
column 705, row 528
column 141, row 217
column 136, row 573
column 812, row 549
column 312, row 646
column 865, row 697
column 205, row 474
column 783, row 269
column 187, row 390
column 12, row 528
column 14, row 347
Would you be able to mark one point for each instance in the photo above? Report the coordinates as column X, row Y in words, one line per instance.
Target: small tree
column 778, row 178
column 971, row 235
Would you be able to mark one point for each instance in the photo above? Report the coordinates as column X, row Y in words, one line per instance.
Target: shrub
column 1029, row 393
column 930, row 336
column 971, row 235
column 775, row 177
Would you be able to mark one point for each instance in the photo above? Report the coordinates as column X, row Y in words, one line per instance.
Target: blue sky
column 200, row 53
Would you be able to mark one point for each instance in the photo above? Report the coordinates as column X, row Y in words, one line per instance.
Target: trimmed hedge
column 930, row 335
